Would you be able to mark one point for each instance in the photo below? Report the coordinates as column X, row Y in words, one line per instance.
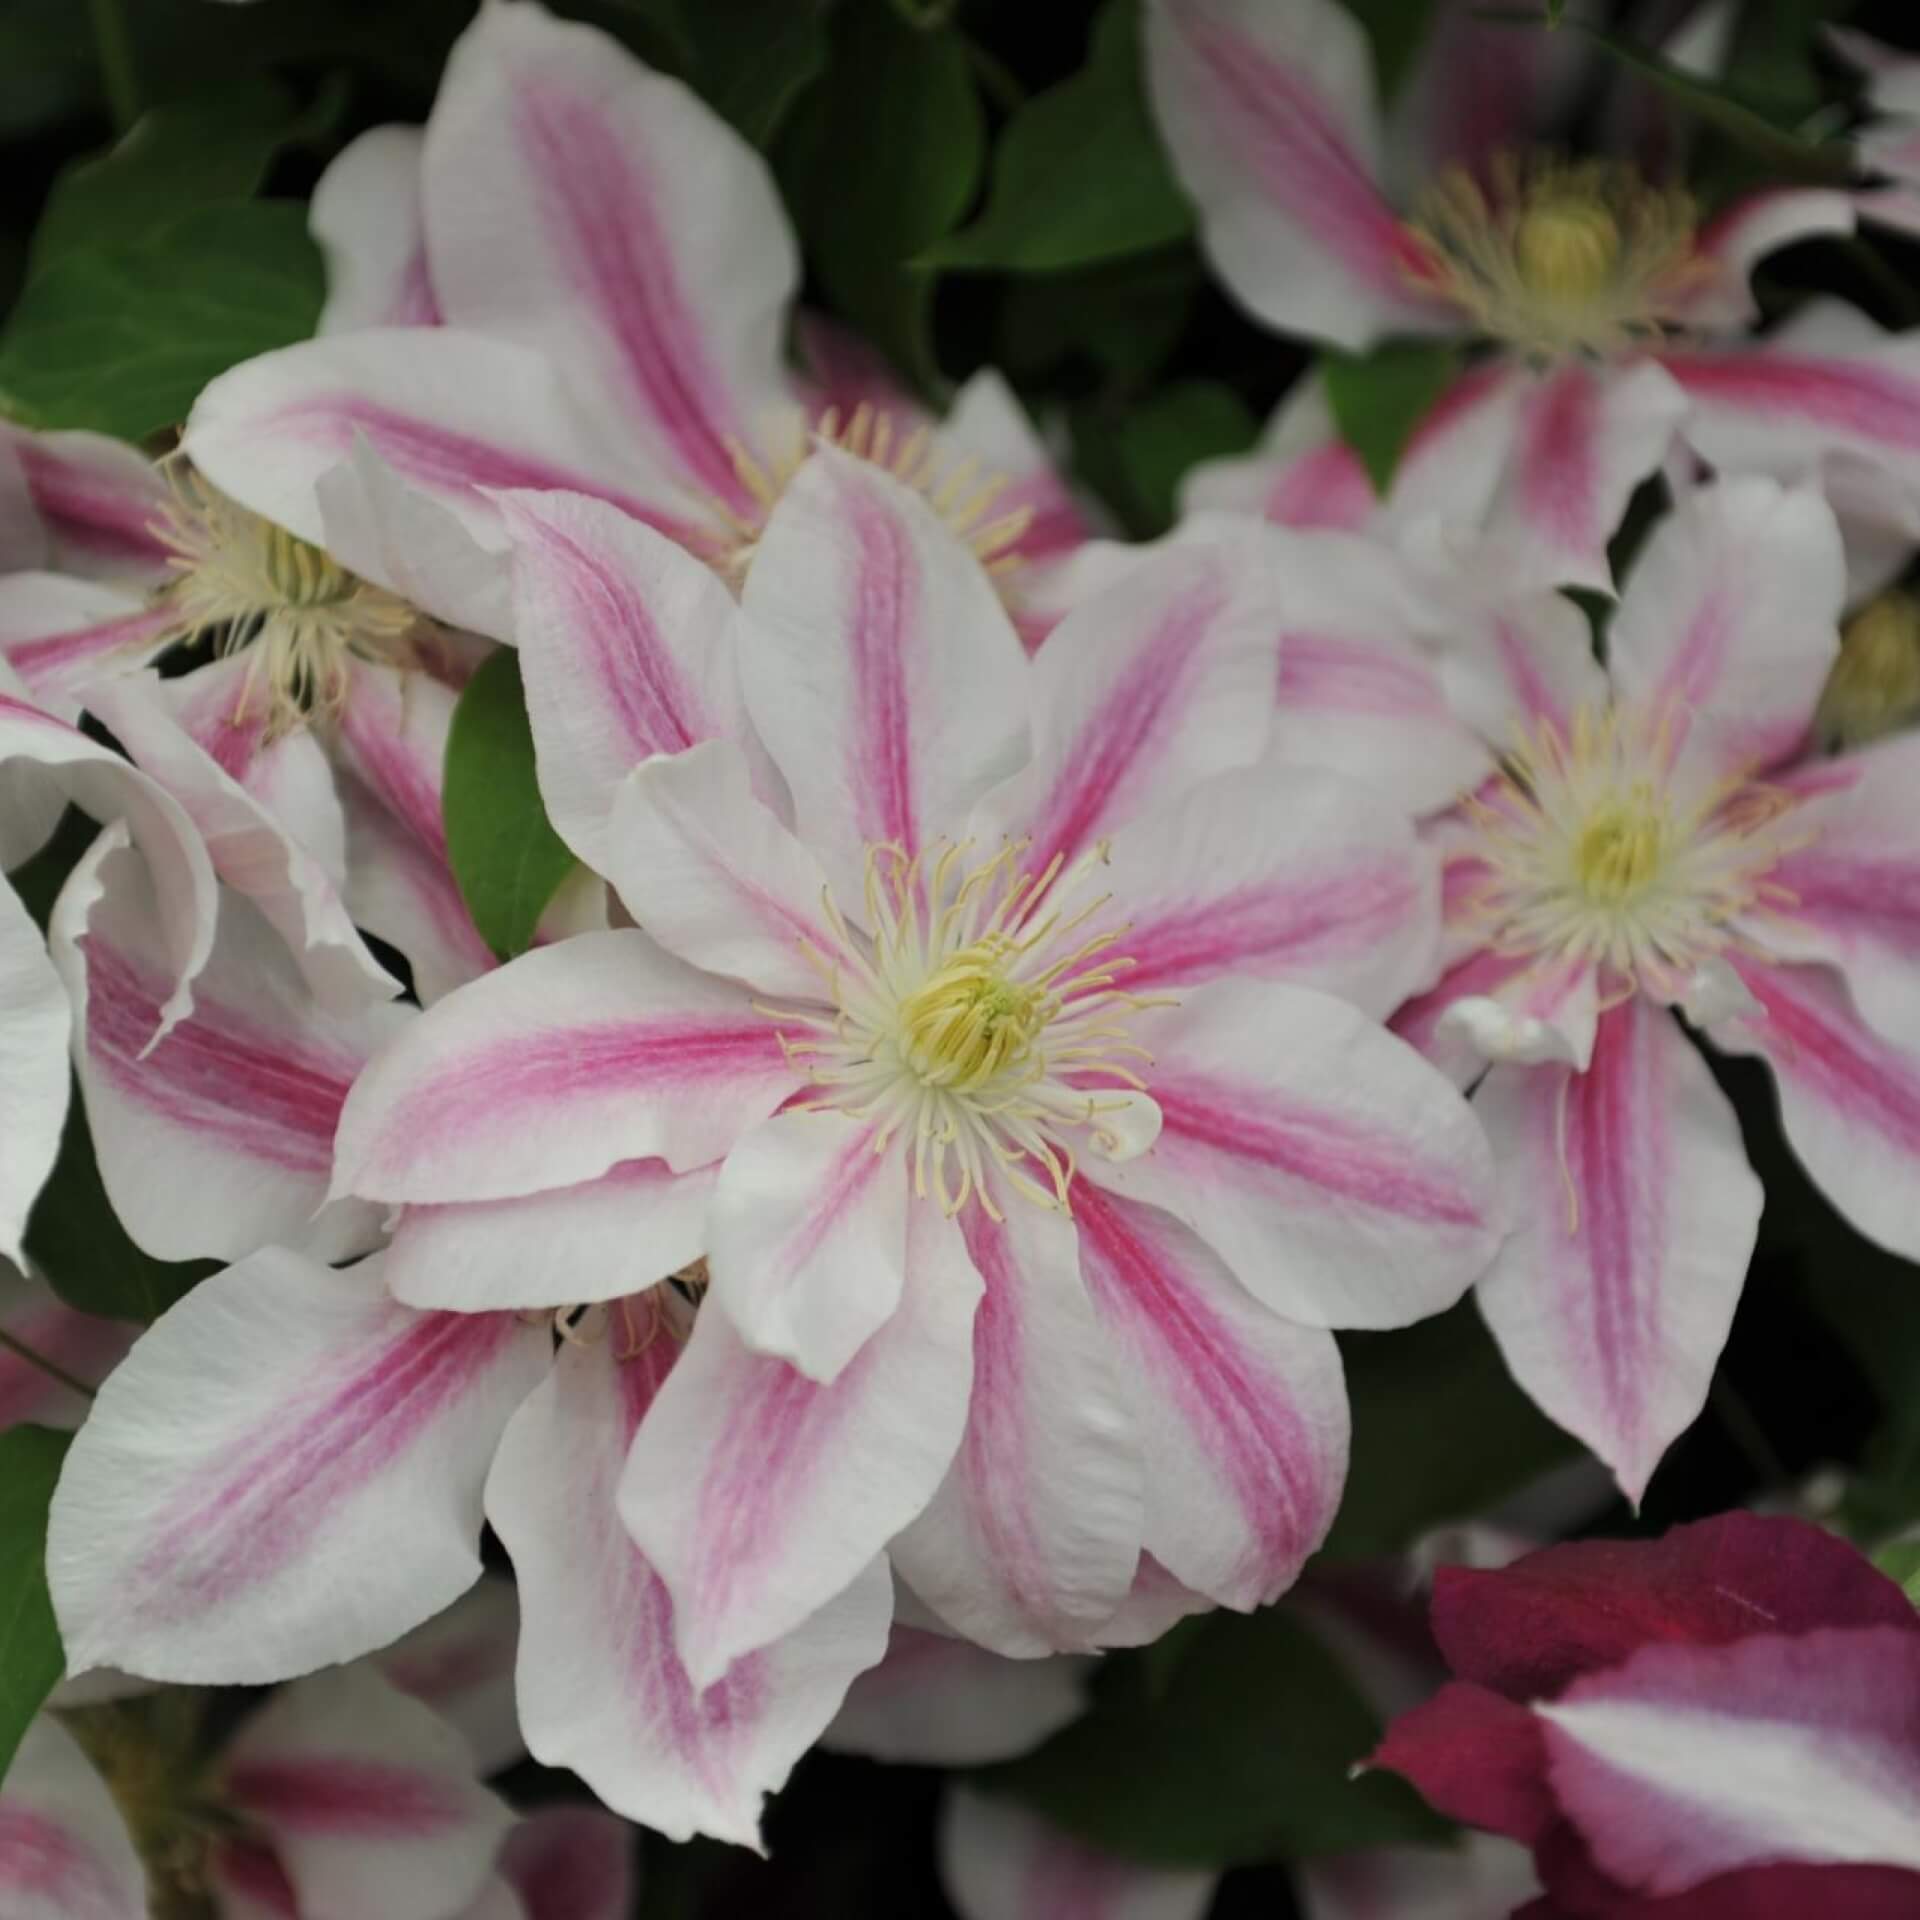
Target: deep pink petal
column 1477, row 1758
column 573, row 1863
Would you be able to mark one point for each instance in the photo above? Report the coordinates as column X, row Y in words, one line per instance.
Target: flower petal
column 34, row 1027
column 1475, row 1756
column 1480, row 1876
column 61, row 636
column 627, row 650
column 284, row 1472
column 880, row 667
column 366, row 1797
column 1634, row 1215
column 366, row 216
column 80, row 1344
column 460, row 1663
column 602, row 1689
column 573, row 1863
column 1029, row 1546
column 65, row 1853
column 1273, row 123
column 99, row 502
column 1730, row 623
column 1520, row 663
column 553, row 1069
column 1741, row 235
column 1686, row 1762
column 582, row 204
column 1302, row 474
column 759, row 1494
column 1339, row 1176
column 1242, row 1416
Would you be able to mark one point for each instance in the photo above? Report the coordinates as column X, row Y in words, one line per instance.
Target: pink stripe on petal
column 406, row 785
column 1327, row 487
column 1557, row 476
column 106, row 517
column 250, row 1871
column 1338, row 671
column 346, row 1797
column 54, row 660
column 1852, row 397
column 887, row 587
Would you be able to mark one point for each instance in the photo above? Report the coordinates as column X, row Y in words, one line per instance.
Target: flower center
column 959, row 491
column 1556, row 257
column 1874, row 688
column 1595, row 853
column 977, row 1020
column 298, row 614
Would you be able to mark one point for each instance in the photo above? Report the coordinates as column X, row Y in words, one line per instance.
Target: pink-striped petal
column 573, row 1863
column 1242, row 1416
column 1730, row 623
column 1272, row 120
column 366, row 1797
column 936, row 1701
column 1142, row 691
column 607, row 1237
column 1521, row 663
column 1849, row 1100
column 65, row 1853
column 366, row 215
column 285, row 1472
column 1000, row 1862
column 1030, row 1544
column 553, row 1069
column 582, row 204
column 1340, row 1177
column 1278, row 873
column 602, row 1689
column 1481, row 1876
column 61, row 635
column 759, row 1493
column 879, row 665
column 216, row 1139
column 987, row 427
column 80, row 1344
column 1634, row 1213
column 1495, row 1007
column 460, row 1663
column 626, row 648
column 1687, row 1762
column 1739, row 237
column 1301, row 475
column 99, row 504
column 34, row 1028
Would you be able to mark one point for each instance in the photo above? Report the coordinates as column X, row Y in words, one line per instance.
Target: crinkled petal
column 285, row 1472
column 65, row 1853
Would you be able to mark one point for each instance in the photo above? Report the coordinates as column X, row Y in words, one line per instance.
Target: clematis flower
column 1607, row 299
column 1036, row 1159
column 615, row 276
column 1663, row 837
column 1719, row 1723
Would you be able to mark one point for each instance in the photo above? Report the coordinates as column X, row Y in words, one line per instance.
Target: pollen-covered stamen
column 969, row 1017
column 1556, row 257
column 300, row 617
column 960, row 491
column 1597, row 853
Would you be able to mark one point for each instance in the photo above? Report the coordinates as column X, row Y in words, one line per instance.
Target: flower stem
column 51, row 1368
column 114, row 45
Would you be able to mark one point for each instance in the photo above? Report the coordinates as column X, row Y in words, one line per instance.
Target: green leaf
column 121, row 338
column 1440, row 1432
column 75, row 1239
column 1157, row 442
column 753, row 59
column 1901, row 1562
column 878, row 162
column 1125, row 318
column 1244, row 1756
column 1380, row 398
column 1079, row 174
column 30, row 1657
column 505, row 854
column 1398, row 29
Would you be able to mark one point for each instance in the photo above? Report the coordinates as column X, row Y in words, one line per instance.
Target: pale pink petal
column 1480, row 1877
column 1271, row 117
column 636, row 1224
column 712, row 875
column 1143, row 690
column 602, row 1689
column 987, row 432
column 61, row 635
column 1505, row 1008
column 367, row 1798
column 1278, row 873
column 65, row 1853
column 1339, row 1176
column 556, row 1067
column 1634, row 1213
column 1030, row 1543
column 1155, row 1604
column 1242, row 1416
column 626, row 650
column 366, row 216
column 1455, row 463
column 1519, row 663
column 999, row 1862
column 1849, row 1100
column 1739, row 237
column 879, row 665
column 844, row 372
column 460, row 1663
column 1893, row 74
column 34, row 1029
column 759, row 1493
column 1301, row 475
column 285, row 1472
column 941, row 1702
column 580, row 203
column 80, row 1344
column 1730, row 622
column 1686, row 1762
column 573, row 1863
column 217, row 1138
column 266, row 809
column 248, row 1883
column 99, row 503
